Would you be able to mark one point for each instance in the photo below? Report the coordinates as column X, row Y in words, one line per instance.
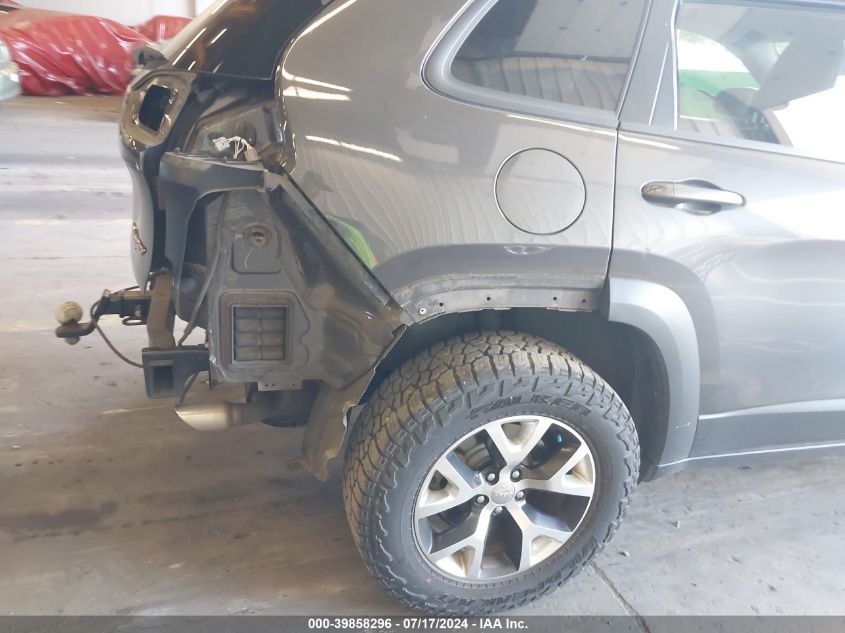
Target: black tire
column 432, row 401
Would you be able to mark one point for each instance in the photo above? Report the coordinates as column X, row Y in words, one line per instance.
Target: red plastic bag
column 61, row 54
column 162, row 27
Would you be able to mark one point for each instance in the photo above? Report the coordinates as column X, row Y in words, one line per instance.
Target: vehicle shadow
column 111, row 505
column 127, row 510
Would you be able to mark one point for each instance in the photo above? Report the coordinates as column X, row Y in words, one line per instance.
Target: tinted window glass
column 766, row 73
column 243, row 38
column 570, row 51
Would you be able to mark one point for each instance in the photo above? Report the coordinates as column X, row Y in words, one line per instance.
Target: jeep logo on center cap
column 502, row 493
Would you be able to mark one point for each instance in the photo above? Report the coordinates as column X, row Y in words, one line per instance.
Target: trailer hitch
column 136, row 307
column 167, row 367
column 132, row 305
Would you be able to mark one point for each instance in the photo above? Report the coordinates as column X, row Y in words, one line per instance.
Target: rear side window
column 760, row 72
column 569, row 51
column 241, row 38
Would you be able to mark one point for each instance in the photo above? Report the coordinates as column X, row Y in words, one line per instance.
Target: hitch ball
column 68, row 313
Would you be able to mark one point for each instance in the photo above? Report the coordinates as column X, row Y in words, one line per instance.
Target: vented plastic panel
column 259, row 333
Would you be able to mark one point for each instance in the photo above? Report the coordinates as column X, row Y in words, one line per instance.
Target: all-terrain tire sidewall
column 424, row 420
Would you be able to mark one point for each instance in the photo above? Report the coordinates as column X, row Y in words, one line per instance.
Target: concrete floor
column 109, row 505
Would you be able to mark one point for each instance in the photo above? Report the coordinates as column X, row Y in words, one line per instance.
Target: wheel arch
column 662, row 316
column 639, row 341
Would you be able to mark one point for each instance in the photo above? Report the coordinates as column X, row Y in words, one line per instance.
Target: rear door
column 731, row 192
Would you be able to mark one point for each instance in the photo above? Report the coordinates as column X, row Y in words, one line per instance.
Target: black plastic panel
column 259, row 333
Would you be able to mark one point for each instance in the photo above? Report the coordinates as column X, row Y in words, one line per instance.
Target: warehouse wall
column 126, row 11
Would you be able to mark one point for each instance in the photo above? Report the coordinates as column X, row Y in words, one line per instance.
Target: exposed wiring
column 192, row 323
column 116, row 351
column 106, row 338
column 241, row 146
column 218, row 252
column 188, row 384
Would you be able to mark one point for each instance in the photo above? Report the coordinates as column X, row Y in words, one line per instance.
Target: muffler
column 219, row 416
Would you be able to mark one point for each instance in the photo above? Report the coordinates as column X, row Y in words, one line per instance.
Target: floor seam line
column 629, row 608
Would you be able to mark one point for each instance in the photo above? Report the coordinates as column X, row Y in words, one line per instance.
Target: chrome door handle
column 696, row 196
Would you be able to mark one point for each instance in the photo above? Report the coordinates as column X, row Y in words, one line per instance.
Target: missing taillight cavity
column 154, row 107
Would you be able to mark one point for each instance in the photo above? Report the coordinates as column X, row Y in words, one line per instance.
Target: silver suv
column 509, row 257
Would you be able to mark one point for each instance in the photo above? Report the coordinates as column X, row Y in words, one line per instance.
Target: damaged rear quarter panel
column 268, row 247
column 414, row 171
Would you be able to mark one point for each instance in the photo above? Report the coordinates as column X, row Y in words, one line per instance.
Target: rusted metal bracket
column 161, row 316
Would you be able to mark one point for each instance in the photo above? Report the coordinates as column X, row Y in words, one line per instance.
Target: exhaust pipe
column 219, row 416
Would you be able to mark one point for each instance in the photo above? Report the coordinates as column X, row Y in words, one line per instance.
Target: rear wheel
column 487, row 471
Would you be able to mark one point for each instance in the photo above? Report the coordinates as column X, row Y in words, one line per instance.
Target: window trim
column 659, row 132
column 661, row 129
column 437, row 75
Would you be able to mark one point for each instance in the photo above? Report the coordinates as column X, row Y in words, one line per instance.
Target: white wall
column 127, row 11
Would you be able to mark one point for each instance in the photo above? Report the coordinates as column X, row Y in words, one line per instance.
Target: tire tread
column 419, row 395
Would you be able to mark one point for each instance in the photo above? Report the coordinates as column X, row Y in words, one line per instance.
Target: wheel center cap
column 502, row 493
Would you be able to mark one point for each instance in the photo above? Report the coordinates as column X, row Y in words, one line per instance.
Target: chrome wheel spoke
column 564, row 485
column 461, row 484
column 533, row 525
column 469, row 538
column 513, row 450
column 577, row 457
column 504, row 497
column 562, row 480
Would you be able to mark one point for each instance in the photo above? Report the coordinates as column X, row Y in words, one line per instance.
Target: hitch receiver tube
column 167, row 367
column 128, row 304
column 166, row 371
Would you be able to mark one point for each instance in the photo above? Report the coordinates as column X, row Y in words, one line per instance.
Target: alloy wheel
column 504, row 498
